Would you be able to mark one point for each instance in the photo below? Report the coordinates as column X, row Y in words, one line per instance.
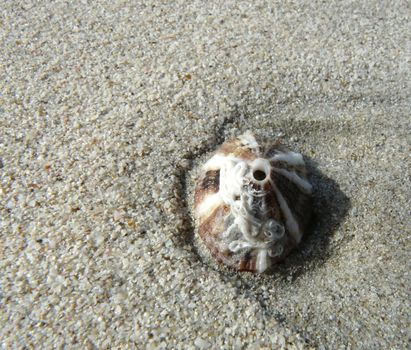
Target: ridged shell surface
column 252, row 203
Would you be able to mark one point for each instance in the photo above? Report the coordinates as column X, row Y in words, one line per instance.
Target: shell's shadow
column 182, row 187
column 330, row 206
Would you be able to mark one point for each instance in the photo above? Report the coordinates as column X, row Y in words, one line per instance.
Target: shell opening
column 260, row 169
column 259, row 175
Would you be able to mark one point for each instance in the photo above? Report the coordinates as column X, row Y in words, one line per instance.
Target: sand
column 106, row 111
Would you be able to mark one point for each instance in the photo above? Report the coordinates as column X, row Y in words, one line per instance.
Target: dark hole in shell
column 259, row 175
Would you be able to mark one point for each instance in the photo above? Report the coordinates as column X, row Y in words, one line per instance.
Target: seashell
column 251, row 203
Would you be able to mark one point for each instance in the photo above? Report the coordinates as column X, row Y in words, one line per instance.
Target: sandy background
column 105, row 112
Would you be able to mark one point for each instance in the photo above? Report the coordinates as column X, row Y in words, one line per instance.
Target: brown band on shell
column 227, row 148
column 244, row 153
column 209, row 184
column 236, row 150
column 212, row 226
column 213, row 223
column 272, row 203
column 247, row 264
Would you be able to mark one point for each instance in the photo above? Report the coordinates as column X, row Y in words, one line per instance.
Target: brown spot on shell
column 272, row 203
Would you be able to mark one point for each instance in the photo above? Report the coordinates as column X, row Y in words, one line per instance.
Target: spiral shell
column 252, row 203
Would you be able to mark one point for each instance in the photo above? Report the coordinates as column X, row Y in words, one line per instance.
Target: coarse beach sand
column 106, row 111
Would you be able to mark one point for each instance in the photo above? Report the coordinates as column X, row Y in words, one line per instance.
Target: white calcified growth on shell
column 244, row 180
